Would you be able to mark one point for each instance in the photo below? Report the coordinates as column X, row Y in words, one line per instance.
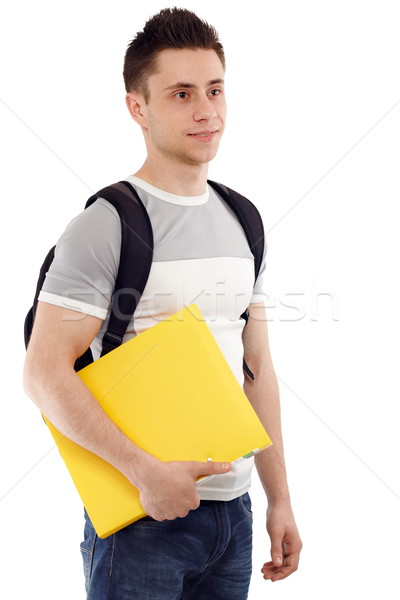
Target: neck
column 175, row 178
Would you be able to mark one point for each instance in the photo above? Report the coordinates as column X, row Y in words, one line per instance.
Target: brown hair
column 170, row 28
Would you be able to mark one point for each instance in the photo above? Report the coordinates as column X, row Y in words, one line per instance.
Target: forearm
column 263, row 393
column 70, row 406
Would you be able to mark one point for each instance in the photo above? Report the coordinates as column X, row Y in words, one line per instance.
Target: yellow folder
column 172, row 392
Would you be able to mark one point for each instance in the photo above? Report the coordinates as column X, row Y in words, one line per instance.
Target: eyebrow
column 183, row 84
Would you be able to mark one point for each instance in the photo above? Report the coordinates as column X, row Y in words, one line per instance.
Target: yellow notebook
column 172, row 392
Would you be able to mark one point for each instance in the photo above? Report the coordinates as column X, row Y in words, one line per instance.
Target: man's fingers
column 273, row 572
column 210, row 468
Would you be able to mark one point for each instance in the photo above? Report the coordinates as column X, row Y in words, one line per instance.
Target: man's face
column 186, row 110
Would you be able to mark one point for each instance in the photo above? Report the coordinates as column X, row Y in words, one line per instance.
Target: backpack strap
column 250, row 219
column 136, row 256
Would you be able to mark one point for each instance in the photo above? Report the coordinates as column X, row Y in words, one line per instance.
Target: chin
column 203, row 157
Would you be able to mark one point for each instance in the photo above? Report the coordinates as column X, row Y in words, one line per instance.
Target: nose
column 204, row 109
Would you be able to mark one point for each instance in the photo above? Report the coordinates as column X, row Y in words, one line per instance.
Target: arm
column 59, row 337
column 263, row 393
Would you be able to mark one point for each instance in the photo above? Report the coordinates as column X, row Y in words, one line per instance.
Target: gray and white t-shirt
column 201, row 255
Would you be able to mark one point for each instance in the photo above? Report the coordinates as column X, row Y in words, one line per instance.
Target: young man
column 196, row 542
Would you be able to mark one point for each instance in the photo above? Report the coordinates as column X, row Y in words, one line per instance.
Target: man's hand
column 285, row 542
column 169, row 488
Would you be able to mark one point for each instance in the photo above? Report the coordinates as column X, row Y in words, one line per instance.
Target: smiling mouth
column 204, row 133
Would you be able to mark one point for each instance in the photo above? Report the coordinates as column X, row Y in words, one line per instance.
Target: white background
column 313, row 139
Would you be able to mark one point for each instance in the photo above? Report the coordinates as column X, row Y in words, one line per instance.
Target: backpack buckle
column 111, row 341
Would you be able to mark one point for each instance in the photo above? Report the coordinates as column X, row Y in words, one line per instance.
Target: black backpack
column 137, row 249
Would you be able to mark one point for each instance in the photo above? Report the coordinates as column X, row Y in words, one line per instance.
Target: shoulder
column 98, row 213
column 98, row 221
column 92, row 237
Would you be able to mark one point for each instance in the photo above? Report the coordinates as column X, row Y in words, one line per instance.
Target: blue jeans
column 204, row 556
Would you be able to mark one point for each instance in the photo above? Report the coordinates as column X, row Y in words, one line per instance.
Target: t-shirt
column 201, row 255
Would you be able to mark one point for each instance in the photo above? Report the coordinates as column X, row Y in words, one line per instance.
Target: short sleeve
column 259, row 289
column 83, row 272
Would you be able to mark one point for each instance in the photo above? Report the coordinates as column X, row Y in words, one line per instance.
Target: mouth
column 205, row 135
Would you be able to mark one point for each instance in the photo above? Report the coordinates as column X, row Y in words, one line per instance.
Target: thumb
column 210, row 468
column 276, row 554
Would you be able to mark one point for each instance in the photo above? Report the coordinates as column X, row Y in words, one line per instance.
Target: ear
column 136, row 106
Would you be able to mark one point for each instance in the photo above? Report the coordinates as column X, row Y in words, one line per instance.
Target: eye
column 216, row 92
column 182, row 95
